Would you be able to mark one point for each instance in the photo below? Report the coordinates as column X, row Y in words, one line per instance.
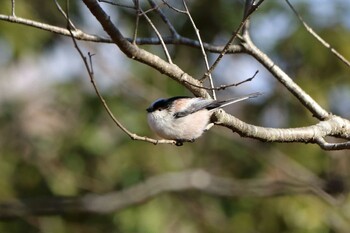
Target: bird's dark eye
column 159, row 109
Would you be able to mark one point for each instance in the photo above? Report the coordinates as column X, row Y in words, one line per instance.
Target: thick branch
column 134, row 52
column 283, row 78
column 334, row 126
column 173, row 182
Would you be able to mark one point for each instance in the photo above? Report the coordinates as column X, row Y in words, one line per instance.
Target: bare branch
column 283, row 78
column 333, row 126
column 180, row 40
column 159, row 37
column 199, row 180
column 134, row 52
column 329, row 125
column 202, row 49
column 233, row 37
column 13, row 8
column 64, row 14
column 80, row 35
column 137, row 6
column 223, row 87
column 319, row 38
column 332, row 146
column 116, row 4
column 173, row 8
column 164, row 18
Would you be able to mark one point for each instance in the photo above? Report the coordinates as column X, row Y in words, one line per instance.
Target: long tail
column 237, row 99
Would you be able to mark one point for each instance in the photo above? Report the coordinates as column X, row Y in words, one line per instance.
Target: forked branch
column 330, row 125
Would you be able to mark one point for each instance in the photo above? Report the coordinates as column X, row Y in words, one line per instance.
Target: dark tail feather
column 223, row 103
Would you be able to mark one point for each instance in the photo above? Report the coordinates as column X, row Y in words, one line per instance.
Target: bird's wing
column 200, row 103
column 196, row 105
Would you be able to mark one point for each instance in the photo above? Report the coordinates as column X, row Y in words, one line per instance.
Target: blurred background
column 57, row 140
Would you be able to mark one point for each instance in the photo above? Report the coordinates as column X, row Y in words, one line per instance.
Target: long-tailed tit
column 184, row 118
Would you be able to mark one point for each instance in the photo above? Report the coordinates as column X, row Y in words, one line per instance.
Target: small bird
column 183, row 118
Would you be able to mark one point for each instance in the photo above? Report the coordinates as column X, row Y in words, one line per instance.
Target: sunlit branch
column 13, row 8
column 317, row 111
column 332, row 146
column 334, row 126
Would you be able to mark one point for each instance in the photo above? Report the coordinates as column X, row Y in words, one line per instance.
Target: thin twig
column 137, row 6
column 314, row 107
column 173, row 8
column 202, row 49
column 223, row 87
column 164, row 18
column 116, row 4
column 90, row 62
column 155, row 7
column 332, row 146
column 180, row 40
column 89, row 69
column 253, row 8
column 159, row 37
column 64, row 14
column 318, row 37
column 13, row 8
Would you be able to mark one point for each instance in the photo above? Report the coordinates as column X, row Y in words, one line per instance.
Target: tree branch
column 141, row 55
column 202, row 49
column 80, row 35
column 317, row 37
column 223, row 87
column 333, row 126
column 247, row 14
column 199, row 180
column 285, row 80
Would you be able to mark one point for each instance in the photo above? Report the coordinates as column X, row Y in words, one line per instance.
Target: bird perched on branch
column 185, row 119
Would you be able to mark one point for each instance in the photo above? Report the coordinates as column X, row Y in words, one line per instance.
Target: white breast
column 184, row 128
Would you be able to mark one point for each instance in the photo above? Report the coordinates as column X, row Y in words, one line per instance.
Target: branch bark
column 141, row 55
column 284, row 79
column 80, row 35
column 334, row 126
